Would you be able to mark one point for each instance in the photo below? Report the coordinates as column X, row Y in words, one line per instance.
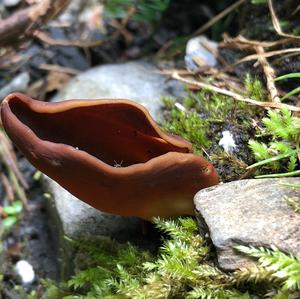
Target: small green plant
column 182, row 269
column 293, row 92
column 283, row 130
column 215, row 108
column 187, row 124
column 13, row 211
column 280, row 270
column 146, row 11
column 293, row 202
column 254, row 88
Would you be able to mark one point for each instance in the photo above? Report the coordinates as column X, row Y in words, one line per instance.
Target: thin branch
column 7, row 186
column 234, row 95
column 266, row 54
column 269, row 74
column 276, row 23
column 10, row 159
column 59, row 69
column 243, row 43
column 218, row 17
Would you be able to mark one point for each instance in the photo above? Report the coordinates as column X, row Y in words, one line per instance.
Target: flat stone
column 138, row 81
column 249, row 212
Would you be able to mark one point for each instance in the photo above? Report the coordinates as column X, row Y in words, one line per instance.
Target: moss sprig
column 283, row 131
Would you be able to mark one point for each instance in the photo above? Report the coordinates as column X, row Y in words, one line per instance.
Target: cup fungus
column 108, row 153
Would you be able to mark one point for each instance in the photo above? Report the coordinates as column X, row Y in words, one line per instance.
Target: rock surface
column 249, row 212
column 138, row 81
column 80, row 221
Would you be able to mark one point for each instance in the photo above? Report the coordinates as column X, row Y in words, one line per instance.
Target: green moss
column 200, row 115
column 282, row 134
column 205, row 115
column 182, row 269
column 146, row 11
column 254, row 88
column 187, row 124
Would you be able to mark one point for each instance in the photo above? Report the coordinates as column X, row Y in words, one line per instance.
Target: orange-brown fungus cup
column 108, row 153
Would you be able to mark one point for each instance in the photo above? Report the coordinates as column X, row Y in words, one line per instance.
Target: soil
column 30, row 239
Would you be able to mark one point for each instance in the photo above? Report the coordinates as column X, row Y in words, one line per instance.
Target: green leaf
column 279, row 157
column 288, row 76
column 279, row 175
column 9, row 221
column 14, row 209
column 291, row 93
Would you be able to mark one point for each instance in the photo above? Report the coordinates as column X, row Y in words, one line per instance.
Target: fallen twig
column 276, row 23
column 218, row 17
column 233, row 95
column 44, row 37
column 59, row 69
column 16, row 181
column 243, row 43
column 10, row 158
column 266, row 54
column 7, row 187
column 269, row 74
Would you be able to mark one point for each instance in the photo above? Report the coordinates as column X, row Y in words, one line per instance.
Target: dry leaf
column 56, row 80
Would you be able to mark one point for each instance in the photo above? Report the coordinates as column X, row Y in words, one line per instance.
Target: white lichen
column 25, row 271
column 227, row 142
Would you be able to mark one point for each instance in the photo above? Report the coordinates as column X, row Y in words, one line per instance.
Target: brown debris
column 234, row 95
column 23, row 23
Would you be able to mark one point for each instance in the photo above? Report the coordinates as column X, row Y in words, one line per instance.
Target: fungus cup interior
column 116, row 132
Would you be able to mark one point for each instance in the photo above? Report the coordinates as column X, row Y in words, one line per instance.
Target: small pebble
column 25, row 271
column 197, row 55
column 180, row 107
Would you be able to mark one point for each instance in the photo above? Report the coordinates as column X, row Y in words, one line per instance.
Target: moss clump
column 187, row 124
column 201, row 119
column 281, row 135
column 182, row 269
column 254, row 88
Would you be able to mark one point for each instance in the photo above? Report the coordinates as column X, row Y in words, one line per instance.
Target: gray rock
column 10, row 3
column 249, row 212
column 80, row 221
column 18, row 83
column 138, row 81
column 198, row 54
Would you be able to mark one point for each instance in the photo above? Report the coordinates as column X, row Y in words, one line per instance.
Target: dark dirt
column 30, row 240
column 255, row 24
